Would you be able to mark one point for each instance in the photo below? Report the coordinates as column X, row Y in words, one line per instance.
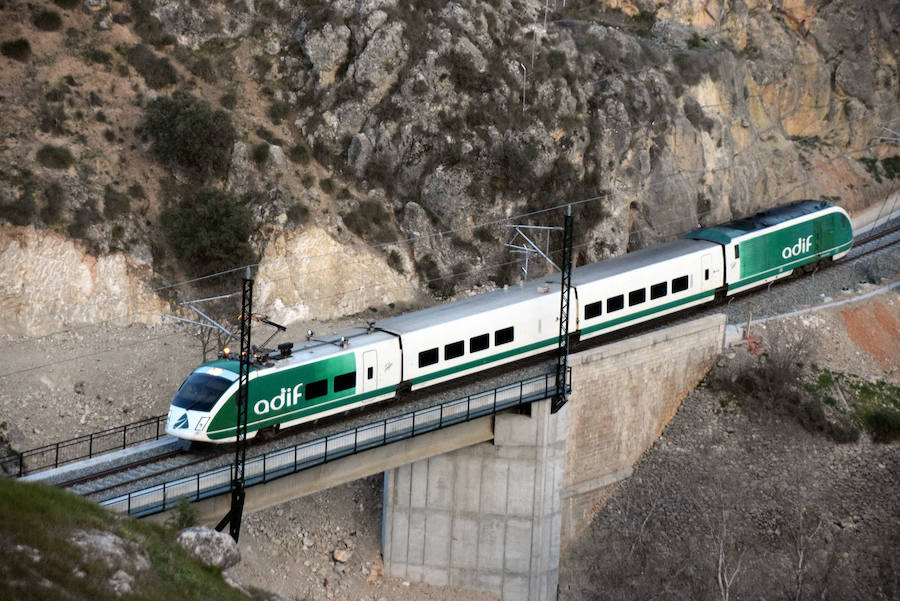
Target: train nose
column 177, row 421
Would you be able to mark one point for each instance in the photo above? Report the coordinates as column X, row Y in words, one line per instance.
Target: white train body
column 362, row 366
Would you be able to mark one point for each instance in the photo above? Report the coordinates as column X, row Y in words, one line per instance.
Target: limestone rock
column 51, row 282
column 124, row 558
column 310, row 275
column 327, row 49
column 209, row 547
column 342, row 555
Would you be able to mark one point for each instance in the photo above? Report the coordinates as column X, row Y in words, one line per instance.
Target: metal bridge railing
column 296, row 458
column 83, row 447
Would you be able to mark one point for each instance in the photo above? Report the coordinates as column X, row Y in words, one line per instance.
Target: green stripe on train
column 299, row 413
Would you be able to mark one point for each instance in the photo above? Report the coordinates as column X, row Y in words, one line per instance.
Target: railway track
column 155, row 470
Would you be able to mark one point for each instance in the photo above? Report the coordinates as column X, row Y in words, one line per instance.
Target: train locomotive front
column 203, row 393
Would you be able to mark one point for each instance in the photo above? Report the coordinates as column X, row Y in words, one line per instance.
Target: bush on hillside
column 260, row 153
column 48, row 20
column 157, row 71
column 55, row 157
column 190, row 134
column 201, row 247
column 19, row 50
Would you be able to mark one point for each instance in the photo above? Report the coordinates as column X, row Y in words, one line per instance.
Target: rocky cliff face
column 652, row 116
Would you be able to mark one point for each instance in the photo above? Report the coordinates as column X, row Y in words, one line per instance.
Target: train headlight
column 201, row 423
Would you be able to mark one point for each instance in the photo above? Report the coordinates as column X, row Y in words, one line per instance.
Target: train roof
column 449, row 312
column 504, row 299
column 637, row 259
column 726, row 232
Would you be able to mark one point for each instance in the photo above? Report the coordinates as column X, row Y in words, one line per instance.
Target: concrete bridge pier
column 487, row 517
column 493, row 516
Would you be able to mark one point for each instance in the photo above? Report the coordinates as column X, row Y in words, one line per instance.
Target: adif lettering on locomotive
column 285, row 398
column 802, row 247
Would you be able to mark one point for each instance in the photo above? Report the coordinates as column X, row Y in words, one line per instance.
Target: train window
column 615, row 303
column 345, row 381
column 737, row 251
column 706, row 274
column 370, row 373
column 636, row 297
column 316, row 389
column 659, row 290
column 503, row 336
column 199, row 392
column 454, row 350
column 592, row 310
column 429, row 357
column 479, row 343
column 680, row 284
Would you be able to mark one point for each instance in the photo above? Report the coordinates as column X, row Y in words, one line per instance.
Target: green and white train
column 320, row 377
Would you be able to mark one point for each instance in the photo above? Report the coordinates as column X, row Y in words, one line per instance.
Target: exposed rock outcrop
column 50, row 280
column 309, row 275
column 127, row 558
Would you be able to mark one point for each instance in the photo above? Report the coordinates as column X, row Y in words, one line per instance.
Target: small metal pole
column 524, row 78
column 533, row 43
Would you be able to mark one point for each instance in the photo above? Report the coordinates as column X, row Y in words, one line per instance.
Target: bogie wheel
column 267, row 434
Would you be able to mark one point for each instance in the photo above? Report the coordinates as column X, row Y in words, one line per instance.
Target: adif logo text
column 803, row 246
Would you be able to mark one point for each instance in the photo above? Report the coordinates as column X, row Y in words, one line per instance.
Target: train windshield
column 200, row 392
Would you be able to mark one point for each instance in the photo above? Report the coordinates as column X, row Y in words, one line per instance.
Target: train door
column 370, row 371
column 706, row 276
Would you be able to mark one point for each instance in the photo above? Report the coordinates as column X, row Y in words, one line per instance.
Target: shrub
column 464, row 74
column 203, row 249
column 299, row 154
column 327, row 185
column 157, row 71
column 298, row 214
column 184, row 515
column 883, row 423
column 19, row 50
column 137, row 191
column 190, row 134
column 55, row 157
column 85, row 216
column 52, row 119
column 20, row 210
column 54, row 200
column 278, row 110
column 148, row 27
column 115, row 204
column 260, row 153
column 228, row 100
column 48, row 20
column 370, row 221
column 269, row 137
column 67, row 4
column 100, row 57
column 891, row 166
